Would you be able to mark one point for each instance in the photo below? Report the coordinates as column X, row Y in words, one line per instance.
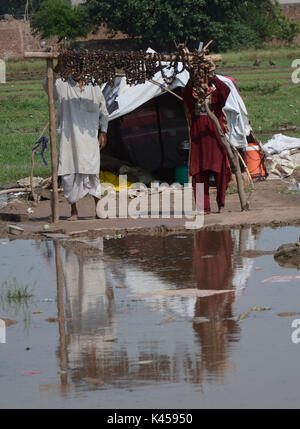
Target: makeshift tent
column 148, row 124
column 138, row 67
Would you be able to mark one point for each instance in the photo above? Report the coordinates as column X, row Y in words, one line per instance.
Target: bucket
column 182, row 174
column 254, row 161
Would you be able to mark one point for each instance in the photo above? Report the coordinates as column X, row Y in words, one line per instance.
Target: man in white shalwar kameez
column 82, row 121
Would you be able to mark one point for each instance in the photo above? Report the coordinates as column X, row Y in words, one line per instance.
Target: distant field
column 272, row 100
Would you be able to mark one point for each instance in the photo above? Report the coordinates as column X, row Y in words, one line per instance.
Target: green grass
column 271, row 98
column 14, row 291
column 280, row 55
column 22, row 121
column 29, row 65
column 272, row 101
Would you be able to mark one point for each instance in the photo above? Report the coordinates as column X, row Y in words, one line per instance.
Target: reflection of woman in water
column 213, row 268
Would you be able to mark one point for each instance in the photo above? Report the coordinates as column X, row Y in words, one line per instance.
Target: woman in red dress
column 208, row 155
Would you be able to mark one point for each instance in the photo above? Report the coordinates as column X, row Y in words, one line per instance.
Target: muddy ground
column 271, row 203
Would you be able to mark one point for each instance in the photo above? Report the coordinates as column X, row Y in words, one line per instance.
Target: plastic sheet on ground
column 279, row 143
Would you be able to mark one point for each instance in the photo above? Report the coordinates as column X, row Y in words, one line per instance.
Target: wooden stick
column 207, row 45
column 171, row 57
column 162, row 86
column 41, row 54
column 34, row 196
column 232, row 156
column 12, row 190
column 245, row 165
column 50, row 75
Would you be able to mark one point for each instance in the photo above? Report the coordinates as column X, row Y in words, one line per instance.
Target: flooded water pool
column 150, row 322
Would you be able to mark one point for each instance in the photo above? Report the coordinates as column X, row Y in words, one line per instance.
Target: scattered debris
column 95, row 381
column 37, row 312
column 247, row 312
column 25, row 182
column 75, row 233
column 109, row 260
column 51, row 230
column 9, row 322
column 168, row 319
column 54, row 235
column 244, row 315
column 261, row 309
column 142, row 362
column 57, row 319
column 82, row 249
column 114, row 237
column 287, row 314
column 288, row 255
column 256, row 253
column 258, row 268
column 121, row 287
column 15, row 230
column 29, row 373
column 133, row 251
column 199, row 320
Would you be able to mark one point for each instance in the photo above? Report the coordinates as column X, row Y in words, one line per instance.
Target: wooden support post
column 233, row 158
column 50, row 76
column 61, row 316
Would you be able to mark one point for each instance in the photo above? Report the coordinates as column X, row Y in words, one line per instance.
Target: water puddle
column 184, row 321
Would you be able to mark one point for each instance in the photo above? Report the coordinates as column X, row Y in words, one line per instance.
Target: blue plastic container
column 182, row 174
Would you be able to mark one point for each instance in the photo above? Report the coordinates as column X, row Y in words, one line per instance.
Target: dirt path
column 270, row 204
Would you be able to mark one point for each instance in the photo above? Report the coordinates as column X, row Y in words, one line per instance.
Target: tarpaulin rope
column 43, row 141
column 260, row 176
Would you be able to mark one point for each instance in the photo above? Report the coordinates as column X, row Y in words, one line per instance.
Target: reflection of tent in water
column 148, row 126
column 109, row 330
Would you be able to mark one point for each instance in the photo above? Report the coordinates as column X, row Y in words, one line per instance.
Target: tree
column 59, row 18
column 231, row 23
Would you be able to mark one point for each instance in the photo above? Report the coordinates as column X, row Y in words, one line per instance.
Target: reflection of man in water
column 213, row 268
column 90, row 306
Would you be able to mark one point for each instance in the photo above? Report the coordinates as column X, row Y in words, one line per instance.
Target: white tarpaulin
column 279, row 143
column 130, row 98
column 237, row 115
column 123, row 99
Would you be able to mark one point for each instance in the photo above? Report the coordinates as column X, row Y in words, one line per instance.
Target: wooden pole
column 168, row 57
column 245, row 166
column 163, row 86
column 232, row 156
column 50, row 75
column 61, row 316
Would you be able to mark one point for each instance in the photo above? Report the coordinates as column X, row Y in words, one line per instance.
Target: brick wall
column 15, row 38
column 292, row 11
